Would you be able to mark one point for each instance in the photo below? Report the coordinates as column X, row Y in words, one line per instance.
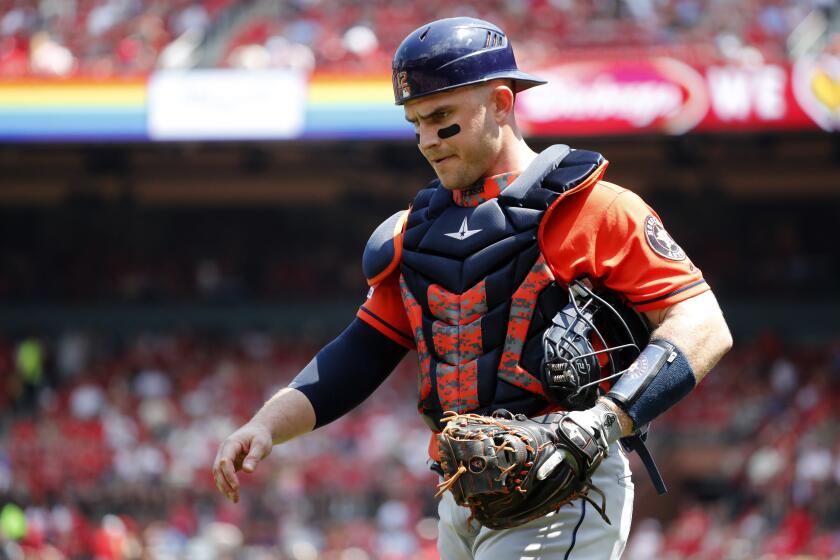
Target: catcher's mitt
column 511, row 469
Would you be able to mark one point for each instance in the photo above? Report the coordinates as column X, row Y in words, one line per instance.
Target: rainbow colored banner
column 73, row 110
column 109, row 109
column 342, row 107
column 584, row 97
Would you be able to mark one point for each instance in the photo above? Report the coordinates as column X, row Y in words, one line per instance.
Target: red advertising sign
column 755, row 97
column 667, row 96
column 607, row 97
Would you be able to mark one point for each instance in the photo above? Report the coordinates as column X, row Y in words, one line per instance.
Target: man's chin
column 455, row 183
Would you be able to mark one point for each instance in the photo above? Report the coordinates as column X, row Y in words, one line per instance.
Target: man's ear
column 502, row 97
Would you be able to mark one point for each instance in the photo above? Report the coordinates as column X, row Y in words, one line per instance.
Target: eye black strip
column 449, row 131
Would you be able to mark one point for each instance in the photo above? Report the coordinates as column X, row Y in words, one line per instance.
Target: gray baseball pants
column 574, row 532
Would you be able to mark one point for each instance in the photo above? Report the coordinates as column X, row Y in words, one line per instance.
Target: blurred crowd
column 96, row 38
column 109, row 450
column 135, row 37
column 756, row 445
column 106, row 447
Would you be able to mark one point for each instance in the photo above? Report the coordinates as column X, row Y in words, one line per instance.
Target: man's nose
column 427, row 137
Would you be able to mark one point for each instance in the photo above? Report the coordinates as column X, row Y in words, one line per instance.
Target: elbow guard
column 659, row 378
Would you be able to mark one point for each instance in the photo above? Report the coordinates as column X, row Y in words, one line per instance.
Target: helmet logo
column 402, row 84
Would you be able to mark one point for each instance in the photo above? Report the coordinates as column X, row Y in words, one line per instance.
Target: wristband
column 659, row 378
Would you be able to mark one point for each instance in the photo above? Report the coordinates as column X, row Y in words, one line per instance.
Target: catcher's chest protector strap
column 545, row 162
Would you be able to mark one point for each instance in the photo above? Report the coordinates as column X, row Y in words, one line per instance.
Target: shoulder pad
column 574, row 170
column 384, row 248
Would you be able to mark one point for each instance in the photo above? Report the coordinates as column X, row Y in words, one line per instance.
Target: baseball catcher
column 552, row 315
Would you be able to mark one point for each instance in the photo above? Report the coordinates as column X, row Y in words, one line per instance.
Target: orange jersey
column 604, row 232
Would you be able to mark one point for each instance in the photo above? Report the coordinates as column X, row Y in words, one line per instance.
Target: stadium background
column 185, row 191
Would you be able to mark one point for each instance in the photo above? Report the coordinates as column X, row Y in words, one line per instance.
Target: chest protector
column 478, row 292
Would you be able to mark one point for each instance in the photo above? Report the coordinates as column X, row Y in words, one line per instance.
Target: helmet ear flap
column 592, row 340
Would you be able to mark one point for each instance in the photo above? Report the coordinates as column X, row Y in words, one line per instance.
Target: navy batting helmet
column 454, row 52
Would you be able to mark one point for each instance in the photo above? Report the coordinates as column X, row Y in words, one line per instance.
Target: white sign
column 738, row 93
column 222, row 104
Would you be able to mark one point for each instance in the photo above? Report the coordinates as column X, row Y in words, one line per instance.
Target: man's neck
column 516, row 157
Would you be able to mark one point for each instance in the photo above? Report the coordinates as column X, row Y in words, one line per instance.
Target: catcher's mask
column 590, row 342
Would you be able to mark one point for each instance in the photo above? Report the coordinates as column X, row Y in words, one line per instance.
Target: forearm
column 286, row 415
column 700, row 337
column 339, row 377
column 698, row 328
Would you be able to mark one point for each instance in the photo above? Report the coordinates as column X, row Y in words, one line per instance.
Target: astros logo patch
column 660, row 241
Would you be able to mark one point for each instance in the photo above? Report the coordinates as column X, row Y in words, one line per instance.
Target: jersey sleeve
column 384, row 311
column 612, row 235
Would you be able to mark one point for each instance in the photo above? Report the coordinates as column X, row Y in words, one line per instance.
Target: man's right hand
column 241, row 450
